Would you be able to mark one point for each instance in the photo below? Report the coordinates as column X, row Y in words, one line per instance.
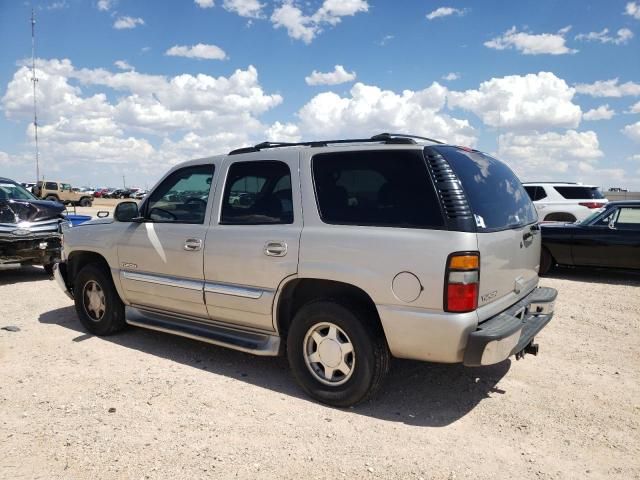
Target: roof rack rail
column 388, row 138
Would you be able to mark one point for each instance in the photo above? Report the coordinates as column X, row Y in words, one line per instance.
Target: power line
column 34, row 79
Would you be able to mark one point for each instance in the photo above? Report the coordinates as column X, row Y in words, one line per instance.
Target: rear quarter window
column 390, row 188
column 496, row 196
column 579, row 193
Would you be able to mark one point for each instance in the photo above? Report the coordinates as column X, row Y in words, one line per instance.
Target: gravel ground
column 143, row 404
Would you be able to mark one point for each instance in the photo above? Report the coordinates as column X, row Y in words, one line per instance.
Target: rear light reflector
column 462, row 298
column 591, row 204
column 462, row 281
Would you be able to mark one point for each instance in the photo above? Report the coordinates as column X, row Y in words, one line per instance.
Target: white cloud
column 632, row 131
column 570, row 156
column 4, row 158
column 533, row 102
column 385, row 40
column 105, row 5
column 609, row 88
column 635, row 158
column 635, row 108
column 299, row 26
column 279, row 132
column 339, row 75
column 532, row 44
column 127, row 23
column 633, row 9
column 152, row 122
column 204, row 3
column 57, row 5
column 123, row 65
column 603, row 112
column 449, row 77
column 369, row 109
column 445, row 12
column 244, row 8
column 203, row 51
column 303, row 27
column 622, row 37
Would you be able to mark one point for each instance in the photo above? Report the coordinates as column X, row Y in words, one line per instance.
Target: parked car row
column 120, row 193
column 31, row 229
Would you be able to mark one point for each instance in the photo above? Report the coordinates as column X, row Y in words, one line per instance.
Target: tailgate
column 509, row 262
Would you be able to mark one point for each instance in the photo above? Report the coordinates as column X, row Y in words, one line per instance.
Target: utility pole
column 34, row 80
column 124, row 184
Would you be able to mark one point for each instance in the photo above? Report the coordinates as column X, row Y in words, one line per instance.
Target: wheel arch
column 298, row 291
column 80, row 258
column 560, row 217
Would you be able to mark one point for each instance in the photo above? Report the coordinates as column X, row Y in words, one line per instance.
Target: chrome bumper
column 60, row 274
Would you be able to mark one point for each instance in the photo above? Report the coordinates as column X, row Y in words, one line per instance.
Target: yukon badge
column 129, row 265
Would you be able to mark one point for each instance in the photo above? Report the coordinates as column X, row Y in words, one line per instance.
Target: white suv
column 563, row 201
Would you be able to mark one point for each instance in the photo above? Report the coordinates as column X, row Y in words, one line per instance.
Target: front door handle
column 275, row 249
column 193, row 244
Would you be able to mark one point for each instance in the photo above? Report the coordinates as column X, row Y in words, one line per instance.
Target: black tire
column 546, row 261
column 370, row 352
column 48, row 268
column 112, row 319
column 52, row 198
column 85, row 202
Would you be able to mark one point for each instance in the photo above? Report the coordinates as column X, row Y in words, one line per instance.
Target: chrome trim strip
column 162, row 280
column 234, row 290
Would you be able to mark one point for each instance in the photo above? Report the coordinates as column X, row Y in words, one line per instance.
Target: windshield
column 591, row 217
column 496, row 196
column 13, row 191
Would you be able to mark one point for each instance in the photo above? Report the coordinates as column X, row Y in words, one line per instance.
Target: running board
column 245, row 341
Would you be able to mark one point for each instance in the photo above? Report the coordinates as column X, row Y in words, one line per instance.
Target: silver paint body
column 233, row 280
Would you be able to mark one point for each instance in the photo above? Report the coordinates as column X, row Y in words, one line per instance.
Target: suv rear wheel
column 335, row 356
column 98, row 304
column 546, row 261
column 85, row 202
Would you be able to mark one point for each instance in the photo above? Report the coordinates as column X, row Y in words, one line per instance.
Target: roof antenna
column 34, row 79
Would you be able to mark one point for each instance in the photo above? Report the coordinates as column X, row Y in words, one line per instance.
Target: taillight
column 462, row 282
column 591, row 204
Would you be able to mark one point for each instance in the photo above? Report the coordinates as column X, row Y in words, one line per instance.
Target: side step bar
column 245, row 341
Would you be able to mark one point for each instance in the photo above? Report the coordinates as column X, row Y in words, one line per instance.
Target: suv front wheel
column 98, row 304
column 336, row 355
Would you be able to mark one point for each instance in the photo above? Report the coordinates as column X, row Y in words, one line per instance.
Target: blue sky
column 133, row 87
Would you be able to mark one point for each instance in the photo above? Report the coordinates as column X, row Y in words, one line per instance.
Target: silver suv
column 340, row 253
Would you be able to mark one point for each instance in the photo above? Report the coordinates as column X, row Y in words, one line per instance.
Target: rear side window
column 496, row 196
column 258, row 193
column 51, row 186
column 376, row 188
column 535, row 193
column 579, row 193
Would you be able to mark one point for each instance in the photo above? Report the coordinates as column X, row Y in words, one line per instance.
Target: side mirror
column 126, row 212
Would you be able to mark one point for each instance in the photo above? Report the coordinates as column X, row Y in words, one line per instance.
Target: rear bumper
column 511, row 331
column 60, row 275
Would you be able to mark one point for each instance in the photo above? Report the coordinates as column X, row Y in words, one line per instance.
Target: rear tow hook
column 531, row 348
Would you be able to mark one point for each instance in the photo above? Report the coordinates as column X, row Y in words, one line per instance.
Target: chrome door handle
column 275, row 249
column 193, row 244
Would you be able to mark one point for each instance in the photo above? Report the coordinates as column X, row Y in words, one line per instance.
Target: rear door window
column 389, row 188
column 258, row 193
column 579, row 193
column 496, row 196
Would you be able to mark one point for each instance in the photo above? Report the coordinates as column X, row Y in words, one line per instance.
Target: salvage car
column 610, row 237
column 30, row 229
column 340, row 253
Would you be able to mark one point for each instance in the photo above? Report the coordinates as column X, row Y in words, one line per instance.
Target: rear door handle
column 275, row 249
column 193, row 244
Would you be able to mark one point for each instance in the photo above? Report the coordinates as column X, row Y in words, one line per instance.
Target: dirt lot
column 148, row 405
